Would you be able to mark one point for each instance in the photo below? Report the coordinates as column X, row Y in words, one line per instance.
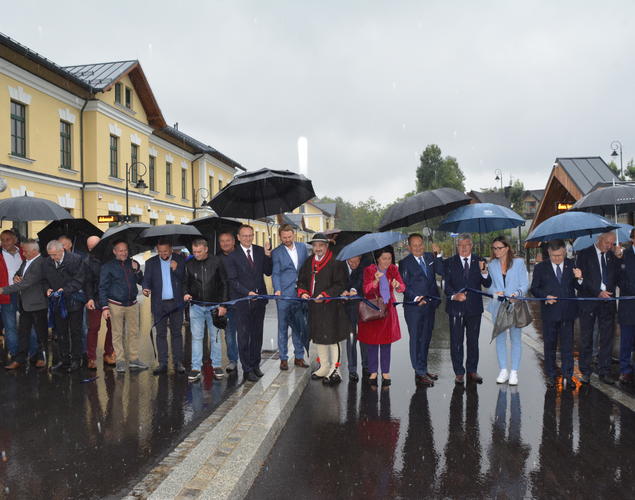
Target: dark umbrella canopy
column 481, row 218
column 570, row 225
column 608, row 201
column 26, row 208
column 254, row 195
column 176, row 234
column 343, row 237
column 130, row 233
column 422, row 206
column 211, row 226
column 78, row 230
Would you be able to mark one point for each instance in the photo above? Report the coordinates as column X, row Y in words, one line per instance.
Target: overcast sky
column 499, row 85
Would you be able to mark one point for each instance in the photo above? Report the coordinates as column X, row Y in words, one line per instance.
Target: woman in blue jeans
column 509, row 278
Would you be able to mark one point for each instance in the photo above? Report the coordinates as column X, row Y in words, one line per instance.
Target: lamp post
column 139, row 184
column 617, row 146
column 205, row 194
column 499, row 176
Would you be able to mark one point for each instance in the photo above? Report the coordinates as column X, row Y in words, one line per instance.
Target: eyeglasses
column 498, row 248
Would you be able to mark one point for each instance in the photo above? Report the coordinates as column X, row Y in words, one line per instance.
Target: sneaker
column 218, row 373
column 513, row 377
column 121, row 366
column 231, row 367
column 137, row 364
column 503, row 376
column 194, row 376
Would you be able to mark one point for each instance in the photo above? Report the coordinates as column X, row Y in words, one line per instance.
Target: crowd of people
column 73, row 295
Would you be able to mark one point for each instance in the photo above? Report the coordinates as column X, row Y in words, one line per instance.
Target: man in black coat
column 599, row 266
column 465, row 270
column 64, row 274
column 626, row 312
column 246, row 267
column 557, row 278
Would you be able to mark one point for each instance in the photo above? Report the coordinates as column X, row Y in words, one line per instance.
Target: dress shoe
column 251, row 377
column 353, row 377
column 333, row 379
column 475, row 377
column 14, row 365
column 180, row 369
column 92, row 364
column 258, row 372
column 110, row 359
column 607, row 379
column 550, row 382
column 284, row 365
column 432, row 376
column 73, row 367
column 424, row 381
column 300, row 363
column 373, row 381
column 626, row 379
column 459, row 379
column 40, row 363
column 231, row 367
column 160, row 370
column 585, row 379
column 385, row 382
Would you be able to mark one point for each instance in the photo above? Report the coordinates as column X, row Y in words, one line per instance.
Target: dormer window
column 117, row 93
column 128, row 103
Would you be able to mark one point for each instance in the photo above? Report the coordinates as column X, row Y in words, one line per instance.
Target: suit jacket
column 516, row 282
column 418, row 283
column 355, row 281
column 153, row 280
column 544, row 282
column 456, row 281
column 69, row 276
column 32, row 289
column 626, row 282
column 242, row 276
column 587, row 261
column 284, row 274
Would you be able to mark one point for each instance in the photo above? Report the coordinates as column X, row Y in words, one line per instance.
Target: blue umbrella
column 570, row 225
column 623, row 234
column 480, row 218
column 369, row 243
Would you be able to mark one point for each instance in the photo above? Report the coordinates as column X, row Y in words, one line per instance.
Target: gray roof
column 100, row 75
column 490, row 197
column 536, row 193
column 587, row 172
column 328, row 208
column 294, row 219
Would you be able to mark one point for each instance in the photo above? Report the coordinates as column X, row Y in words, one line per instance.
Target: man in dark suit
column 245, row 269
column 465, row 270
column 599, row 266
column 64, row 273
column 557, row 278
column 33, row 305
column 419, row 271
column 626, row 312
column 354, row 287
column 163, row 280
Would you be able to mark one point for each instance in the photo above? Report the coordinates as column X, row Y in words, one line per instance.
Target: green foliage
column 516, row 192
column 630, row 170
column 434, row 171
column 616, row 170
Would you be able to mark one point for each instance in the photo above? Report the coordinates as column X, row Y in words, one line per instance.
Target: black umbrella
column 608, row 201
column 211, row 225
column 130, row 233
column 343, row 237
column 254, row 195
column 26, row 208
column 77, row 230
column 421, row 206
column 176, row 234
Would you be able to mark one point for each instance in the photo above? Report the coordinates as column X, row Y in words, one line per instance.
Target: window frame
column 118, row 87
column 168, row 178
column 183, row 184
column 114, row 165
column 66, row 145
column 18, row 124
column 134, row 158
column 152, row 161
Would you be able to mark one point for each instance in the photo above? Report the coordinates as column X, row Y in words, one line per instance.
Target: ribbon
column 502, row 298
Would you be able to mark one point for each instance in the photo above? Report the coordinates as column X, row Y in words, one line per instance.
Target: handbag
column 367, row 313
column 220, row 322
column 522, row 316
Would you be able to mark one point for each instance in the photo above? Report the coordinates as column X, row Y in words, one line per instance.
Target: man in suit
column 419, row 271
column 30, row 287
column 227, row 244
column 557, row 278
column 626, row 312
column 287, row 259
column 64, row 274
column 163, row 280
column 10, row 262
column 465, row 270
column 599, row 266
column 245, row 269
column 354, row 287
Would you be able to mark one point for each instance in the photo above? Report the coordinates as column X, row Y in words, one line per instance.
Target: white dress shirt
column 28, row 263
column 293, row 253
column 599, row 256
column 251, row 251
column 13, row 262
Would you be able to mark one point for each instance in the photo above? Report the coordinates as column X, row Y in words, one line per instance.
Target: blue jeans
column 10, row 322
column 290, row 315
column 199, row 317
column 230, row 336
column 501, row 348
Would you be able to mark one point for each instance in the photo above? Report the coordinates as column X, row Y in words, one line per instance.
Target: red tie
column 251, row 261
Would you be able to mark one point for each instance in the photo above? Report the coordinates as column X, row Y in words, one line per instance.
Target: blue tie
column 559, row 273
column 424, row 267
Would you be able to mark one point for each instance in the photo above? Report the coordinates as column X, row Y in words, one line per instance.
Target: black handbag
column 367, row 313
column 522, row 316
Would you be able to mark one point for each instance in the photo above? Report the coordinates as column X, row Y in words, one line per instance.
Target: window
column 114, row 156
column 220, row 184
column 65, row 144
column 211, row 187
column 153, row 222
column 168, row 178
column 133, row 218
column 151, row 175
column 169, row 221
column 128, row 98
column 183, row 183
column 18, row 129
column 134, row 157
column 117, row 93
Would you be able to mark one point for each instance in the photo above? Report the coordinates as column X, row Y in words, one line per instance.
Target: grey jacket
column 32, row 288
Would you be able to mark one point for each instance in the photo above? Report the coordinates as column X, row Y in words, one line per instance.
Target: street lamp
column 499, row 176
column 617, row 146
column 205, row 194
column 139, row 183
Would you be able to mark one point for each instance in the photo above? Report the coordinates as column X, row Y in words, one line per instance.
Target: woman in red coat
column 380, row 280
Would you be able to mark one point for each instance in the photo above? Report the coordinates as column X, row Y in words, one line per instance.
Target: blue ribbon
column 281, row 297
column 56, row 302
column 502, row 298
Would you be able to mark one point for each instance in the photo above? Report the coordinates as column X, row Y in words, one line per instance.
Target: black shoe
column 550, row 382
column 251, row 377
column 373, row 381
column 432, row 376
column 258, row 372
column 73, row 367
column 59, row 367
column 334, row 379
column 353, row 377
column 607, row 379
column 385, row 382
column 160, row 370
column 180, row 369
column 585, row 379
column 424, row 381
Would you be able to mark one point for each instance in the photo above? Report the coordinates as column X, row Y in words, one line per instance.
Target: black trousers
column 604, row 312
column 554, row 333
column 28, row 321
column 69, row 335
column 174, row 316
column 251, row 317
column 464, row 329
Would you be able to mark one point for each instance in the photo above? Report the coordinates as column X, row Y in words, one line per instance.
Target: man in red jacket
column 10, row 262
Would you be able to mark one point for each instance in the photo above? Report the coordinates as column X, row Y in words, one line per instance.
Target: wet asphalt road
column 481, row 441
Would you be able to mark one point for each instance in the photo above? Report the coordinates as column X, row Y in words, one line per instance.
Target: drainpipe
column 81, row 149
column 193, row 190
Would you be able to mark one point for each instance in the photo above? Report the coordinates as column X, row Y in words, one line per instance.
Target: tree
column 516, row 192
column 614, row 168
column 630, row 169
column 434, row 171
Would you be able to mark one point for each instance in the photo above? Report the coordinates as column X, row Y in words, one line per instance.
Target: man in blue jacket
column 163, row 280
column 287, row 260
column 118, row 280
column 419, row 271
